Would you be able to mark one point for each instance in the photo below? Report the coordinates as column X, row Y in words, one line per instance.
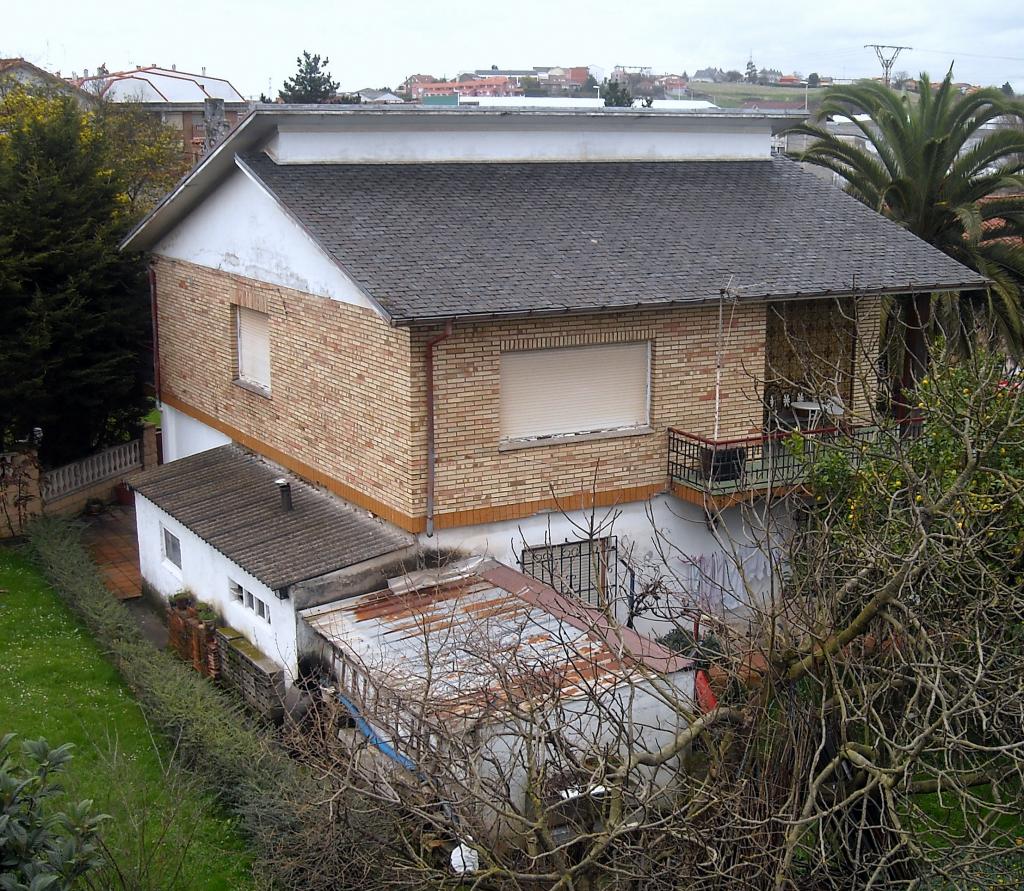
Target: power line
column 971, row 55
column 887, row 56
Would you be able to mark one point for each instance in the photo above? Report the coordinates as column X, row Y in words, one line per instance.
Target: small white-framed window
column 253, row 333
column 249, row 600
column 571, row 391
column 262, row 610
column 171, row 547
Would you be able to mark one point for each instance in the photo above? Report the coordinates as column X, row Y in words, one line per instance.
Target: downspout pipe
column 431, row 438
column 155, row 329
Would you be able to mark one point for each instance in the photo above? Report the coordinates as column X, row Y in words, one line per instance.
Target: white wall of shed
column 643, row 136
column 639, row 525
column 206, row 573
column 183, row 435
column 241, row 229
column 591, row 720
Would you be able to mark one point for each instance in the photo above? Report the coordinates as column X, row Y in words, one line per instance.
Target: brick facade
column 478, row 483
column 821, row 347
column 347, row 407
column 339, row 410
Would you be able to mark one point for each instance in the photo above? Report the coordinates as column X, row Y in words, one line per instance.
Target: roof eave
column 433, row 319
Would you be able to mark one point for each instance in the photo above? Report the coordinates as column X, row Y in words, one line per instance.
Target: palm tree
column 947, row 168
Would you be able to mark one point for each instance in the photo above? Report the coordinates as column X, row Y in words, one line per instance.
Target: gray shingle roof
column 431, row 241
column 228, row 498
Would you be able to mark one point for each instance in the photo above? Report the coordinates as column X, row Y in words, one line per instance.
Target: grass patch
column 165, row 833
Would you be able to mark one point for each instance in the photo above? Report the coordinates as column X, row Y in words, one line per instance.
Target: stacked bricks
column 258, row 679
column 193, row 640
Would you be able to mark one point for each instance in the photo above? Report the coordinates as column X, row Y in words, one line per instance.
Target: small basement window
column 253, row 332
column 171, row 547
column 575, row 390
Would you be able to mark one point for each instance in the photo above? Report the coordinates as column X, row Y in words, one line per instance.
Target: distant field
column 734, row 95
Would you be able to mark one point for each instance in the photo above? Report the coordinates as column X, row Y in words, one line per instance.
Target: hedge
column 302, row 832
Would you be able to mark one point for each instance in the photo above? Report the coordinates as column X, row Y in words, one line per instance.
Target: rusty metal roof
column 478, row 634
column 229, row 498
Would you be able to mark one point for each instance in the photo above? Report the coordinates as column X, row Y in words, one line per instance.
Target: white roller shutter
column 574, row 390
column 254, row 347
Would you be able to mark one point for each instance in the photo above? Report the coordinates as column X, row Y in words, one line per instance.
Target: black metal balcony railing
column 751, row 463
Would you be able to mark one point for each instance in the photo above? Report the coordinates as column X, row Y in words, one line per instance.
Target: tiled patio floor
column 112, row 542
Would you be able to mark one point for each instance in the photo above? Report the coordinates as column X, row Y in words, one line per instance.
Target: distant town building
column 178, row 97
column 486, row 86
column 369, row 96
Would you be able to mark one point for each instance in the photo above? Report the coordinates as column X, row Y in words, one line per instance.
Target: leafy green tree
column 74, row 310
column 813, row 80
column 149, row 156
column 41, row 848
column 733, row 76
column 751, row 75
column 936, row 168
column 616, row 95
column 311, row 83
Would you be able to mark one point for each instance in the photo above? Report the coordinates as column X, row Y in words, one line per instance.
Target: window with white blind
column 575, row 390
column 253, row 347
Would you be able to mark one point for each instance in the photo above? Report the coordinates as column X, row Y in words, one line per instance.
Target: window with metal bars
column 587, row 570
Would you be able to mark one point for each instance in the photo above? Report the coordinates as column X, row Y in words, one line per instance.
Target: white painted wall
column 241, row 229
column 655, row 534
column 206, row 573
column 183, row 435
column 643, row 136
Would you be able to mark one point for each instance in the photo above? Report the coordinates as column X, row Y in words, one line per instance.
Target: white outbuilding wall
column 208, row 574
column 183, row 435
column 663, row 534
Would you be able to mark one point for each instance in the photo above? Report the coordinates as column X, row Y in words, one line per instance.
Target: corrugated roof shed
column 479, row 633
column 228, row 497
column 432, row 241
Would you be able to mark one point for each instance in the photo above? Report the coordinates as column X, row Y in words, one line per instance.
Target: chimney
column 174, row 66
column 285, row 488
column 215, row 123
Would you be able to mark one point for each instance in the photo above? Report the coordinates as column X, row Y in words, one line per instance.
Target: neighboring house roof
column 23, row 72
column 436, row 241
column 156, row 84
column 433, row 636
column 228, row 497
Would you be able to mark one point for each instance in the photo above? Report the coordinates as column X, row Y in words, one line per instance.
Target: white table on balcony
column 814, row 409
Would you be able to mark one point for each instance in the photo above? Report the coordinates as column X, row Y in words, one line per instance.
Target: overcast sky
column 254, row 44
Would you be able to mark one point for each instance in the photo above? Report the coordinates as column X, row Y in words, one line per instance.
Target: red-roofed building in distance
column 488, row 86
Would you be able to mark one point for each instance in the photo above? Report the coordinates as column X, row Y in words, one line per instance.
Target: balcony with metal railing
column 720, row 472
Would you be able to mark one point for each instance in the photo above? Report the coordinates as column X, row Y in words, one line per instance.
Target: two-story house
column 478, row 330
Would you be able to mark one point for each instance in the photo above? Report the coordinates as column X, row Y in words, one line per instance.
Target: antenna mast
column 887, row 56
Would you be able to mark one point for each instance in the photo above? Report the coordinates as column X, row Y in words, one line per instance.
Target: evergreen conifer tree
column 311, row 83
column 74, row 311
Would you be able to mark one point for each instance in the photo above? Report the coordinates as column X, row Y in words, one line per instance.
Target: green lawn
column 165, row 833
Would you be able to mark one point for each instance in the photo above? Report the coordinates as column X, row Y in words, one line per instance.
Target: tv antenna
column 887, row 56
